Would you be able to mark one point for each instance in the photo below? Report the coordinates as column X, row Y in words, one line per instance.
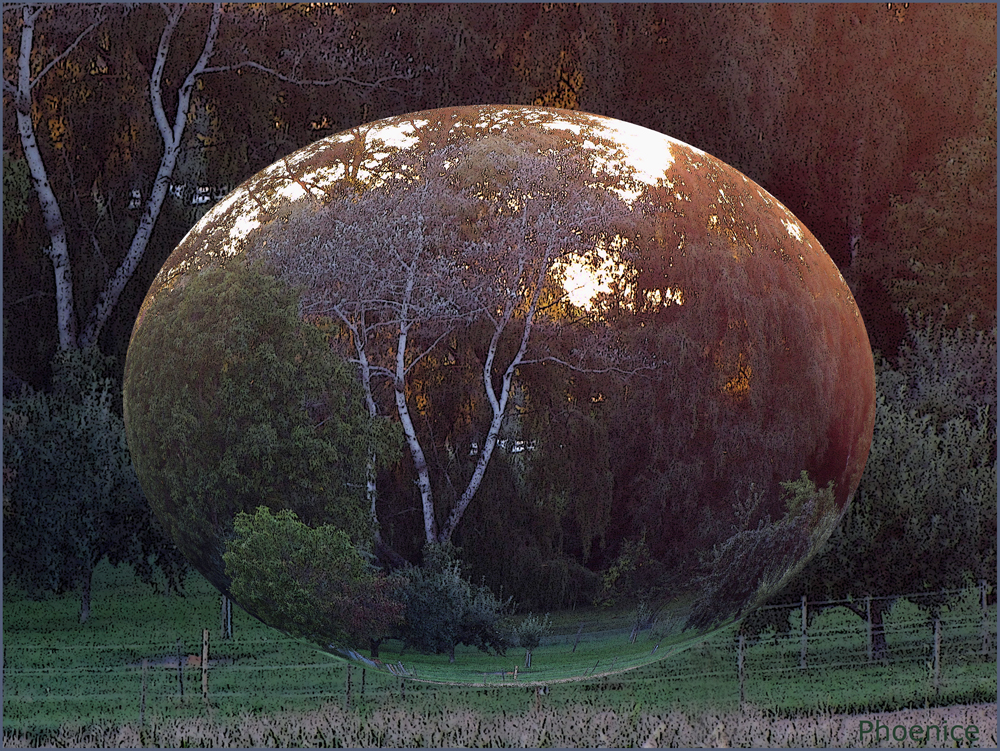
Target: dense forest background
column 875, row 124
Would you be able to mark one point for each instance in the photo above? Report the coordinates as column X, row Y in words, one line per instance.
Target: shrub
column 443, row 609
column 310, row 583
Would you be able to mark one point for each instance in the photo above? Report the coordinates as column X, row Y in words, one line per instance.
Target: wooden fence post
column 180, row 669
column 868, row 627
column 802, row 650
column 142, row 703
column 937, row 656
column 227, row 618
column 740, row 670
column 204, row 665
column 984, row 630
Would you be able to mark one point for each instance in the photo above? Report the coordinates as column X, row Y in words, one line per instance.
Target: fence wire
column 909, row 640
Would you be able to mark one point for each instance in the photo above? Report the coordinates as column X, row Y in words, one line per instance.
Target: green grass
column 58, row 671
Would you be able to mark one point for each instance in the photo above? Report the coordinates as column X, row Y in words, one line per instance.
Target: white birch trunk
column 498, row 403
column 399, row 387
column 171, row 145
column 371, row 488
column 58, row 249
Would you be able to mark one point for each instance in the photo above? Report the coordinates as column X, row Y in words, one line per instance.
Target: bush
column 443, row 609
column 310, row 583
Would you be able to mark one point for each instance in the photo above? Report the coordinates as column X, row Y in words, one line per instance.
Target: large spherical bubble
column 600, row 344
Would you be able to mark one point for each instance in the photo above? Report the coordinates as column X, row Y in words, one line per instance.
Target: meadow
column 64, row 680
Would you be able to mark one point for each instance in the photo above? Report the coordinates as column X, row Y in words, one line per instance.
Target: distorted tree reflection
column 451, row 238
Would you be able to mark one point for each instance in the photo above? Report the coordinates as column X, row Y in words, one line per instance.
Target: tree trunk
column 58, row 249
column 497, row 402
column 85, row 596
column 406, row 421
column 171, row 147
column 880, row 649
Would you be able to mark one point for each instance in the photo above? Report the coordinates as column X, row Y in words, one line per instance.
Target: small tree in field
column 529, row 635
column 443, row 609
column 311, row 583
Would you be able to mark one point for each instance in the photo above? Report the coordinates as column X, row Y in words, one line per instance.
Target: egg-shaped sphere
column 605, row 352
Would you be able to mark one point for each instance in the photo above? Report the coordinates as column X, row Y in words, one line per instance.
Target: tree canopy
column 233, row 402
column 71, row 495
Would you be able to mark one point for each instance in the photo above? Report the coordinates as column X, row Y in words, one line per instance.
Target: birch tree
column 170, row 88
column 477, row 236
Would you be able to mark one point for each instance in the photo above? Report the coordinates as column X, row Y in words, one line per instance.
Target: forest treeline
column 875, row 125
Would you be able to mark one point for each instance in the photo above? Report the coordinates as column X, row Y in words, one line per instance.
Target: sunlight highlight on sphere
column 626, row 382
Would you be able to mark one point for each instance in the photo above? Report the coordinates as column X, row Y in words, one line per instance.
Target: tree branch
column 426, row 351
column 307, row 82
column 56, row 60
column 155, row 85
column 580, row 369
column 171, row 142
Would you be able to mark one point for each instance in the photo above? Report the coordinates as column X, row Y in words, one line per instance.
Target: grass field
column 58, row 673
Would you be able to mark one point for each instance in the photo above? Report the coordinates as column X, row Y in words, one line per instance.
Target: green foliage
column 529, row 633
column 310, row 583
column 444, row 609
column 16, row 189
column 74, row 496
column 798, row 493
column 924, row 516
column 536, row 569
column 753, row 563
column 632, row 573
column 941, row 371
column 947, row 228
column 232, row 402
column 577, row 495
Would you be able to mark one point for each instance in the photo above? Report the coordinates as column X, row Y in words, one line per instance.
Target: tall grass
column 583, row 725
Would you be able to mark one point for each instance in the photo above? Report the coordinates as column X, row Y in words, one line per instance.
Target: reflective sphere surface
column 623, row 377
